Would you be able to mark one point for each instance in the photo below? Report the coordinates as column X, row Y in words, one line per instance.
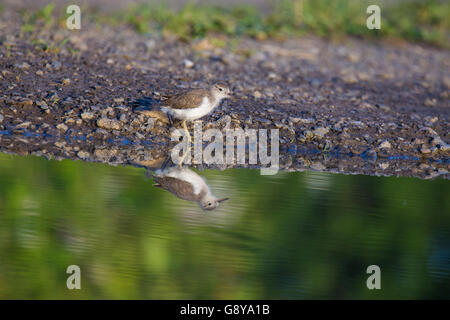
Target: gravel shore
column 351, row 106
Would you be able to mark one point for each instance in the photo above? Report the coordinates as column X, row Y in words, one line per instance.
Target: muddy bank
column 351, row 107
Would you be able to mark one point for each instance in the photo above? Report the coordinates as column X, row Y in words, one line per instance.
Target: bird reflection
column 187, row 185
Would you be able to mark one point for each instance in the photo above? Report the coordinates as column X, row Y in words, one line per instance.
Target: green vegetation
column 296, row 235
column 425, row 21
column 413, row 20
column 32, row 19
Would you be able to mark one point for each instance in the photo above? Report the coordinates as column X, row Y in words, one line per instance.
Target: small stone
column 25, row 103
column 188, row 64
column 23, row 65
column 105, row 154
column 110, row 61
column 60, row 144
column 1, row 118
column 119, row 100
column 385, row 145
column 62, row 127
column 425, row 149
column 56, row 65
column 257, row 94
column 39, row 73
column 23, row 125
column 66, row 81
column 301, row 120
column 430, row 102
column 83, row 154
column 384, row 165
column 318, row 166
column 109, row 124
column 87, row 115
column 224, row 122
column 321, row 132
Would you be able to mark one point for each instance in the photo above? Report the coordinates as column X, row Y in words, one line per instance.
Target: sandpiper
column 187, row 185
column 194, row 104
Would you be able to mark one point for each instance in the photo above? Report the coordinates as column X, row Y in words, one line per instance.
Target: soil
column 348, row 106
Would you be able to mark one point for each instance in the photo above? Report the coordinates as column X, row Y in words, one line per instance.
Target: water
column 289, row 236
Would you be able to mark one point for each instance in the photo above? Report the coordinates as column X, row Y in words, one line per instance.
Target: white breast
column 192, row 114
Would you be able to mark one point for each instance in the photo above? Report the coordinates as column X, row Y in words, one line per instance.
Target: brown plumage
column 187, row 100
column 182, row 189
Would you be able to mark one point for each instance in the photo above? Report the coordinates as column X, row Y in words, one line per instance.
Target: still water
column 288, row 236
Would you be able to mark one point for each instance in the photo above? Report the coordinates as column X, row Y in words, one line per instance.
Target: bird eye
column 220, row 89
column 209, row 203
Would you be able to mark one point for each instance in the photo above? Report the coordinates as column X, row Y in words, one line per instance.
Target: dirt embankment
column 352, row 107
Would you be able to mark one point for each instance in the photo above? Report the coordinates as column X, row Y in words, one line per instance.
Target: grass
column 420, row 21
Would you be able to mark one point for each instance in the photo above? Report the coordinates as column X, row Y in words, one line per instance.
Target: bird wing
column 182, row 189
column 186, row 100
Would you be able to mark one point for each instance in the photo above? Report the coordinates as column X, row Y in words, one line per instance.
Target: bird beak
column 222, row 200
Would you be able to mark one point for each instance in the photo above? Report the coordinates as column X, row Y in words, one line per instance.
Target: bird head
column 210, row 203
column 221, row 91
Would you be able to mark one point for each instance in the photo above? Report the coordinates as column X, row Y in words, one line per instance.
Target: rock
column 425, row 149
column 321, row 131
column 429, row 131
column 384, row 165
column 430, row 102
column 62, row 127
column 1, row 118
column 24, row 103
column 23, row 66
column 83, row 154
column 23, row 125
column 367, row 106
column 109, row 124
column 188, row 64
column 66, row 81
column 257, row 94
column 301, row 120
column 87, row 115
column 105, row 154
column 318, row 166
column 224, row 122
column 39, row 73
column 60, row 144
column 385, row 145
column 56, row 65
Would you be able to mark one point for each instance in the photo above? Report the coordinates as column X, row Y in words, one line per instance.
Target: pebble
column 384, row 165
column 23, row 125
column 83, row 154
column 430, row 102
column 109, row 124
column 1, row 118
column 385, row 145
column 321, row 131
column 23, row 65
column 62, row 127
column 257, row 94
column 24, row 103
column 66, row 81
column 188, row 64
column 56, row 65
column 425, row 149
column 39, row 73
column 87, row 115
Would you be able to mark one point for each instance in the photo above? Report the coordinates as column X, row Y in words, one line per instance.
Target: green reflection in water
column 289, row 236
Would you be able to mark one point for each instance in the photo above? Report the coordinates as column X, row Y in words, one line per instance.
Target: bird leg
column 180, row 164
column 187, row 132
